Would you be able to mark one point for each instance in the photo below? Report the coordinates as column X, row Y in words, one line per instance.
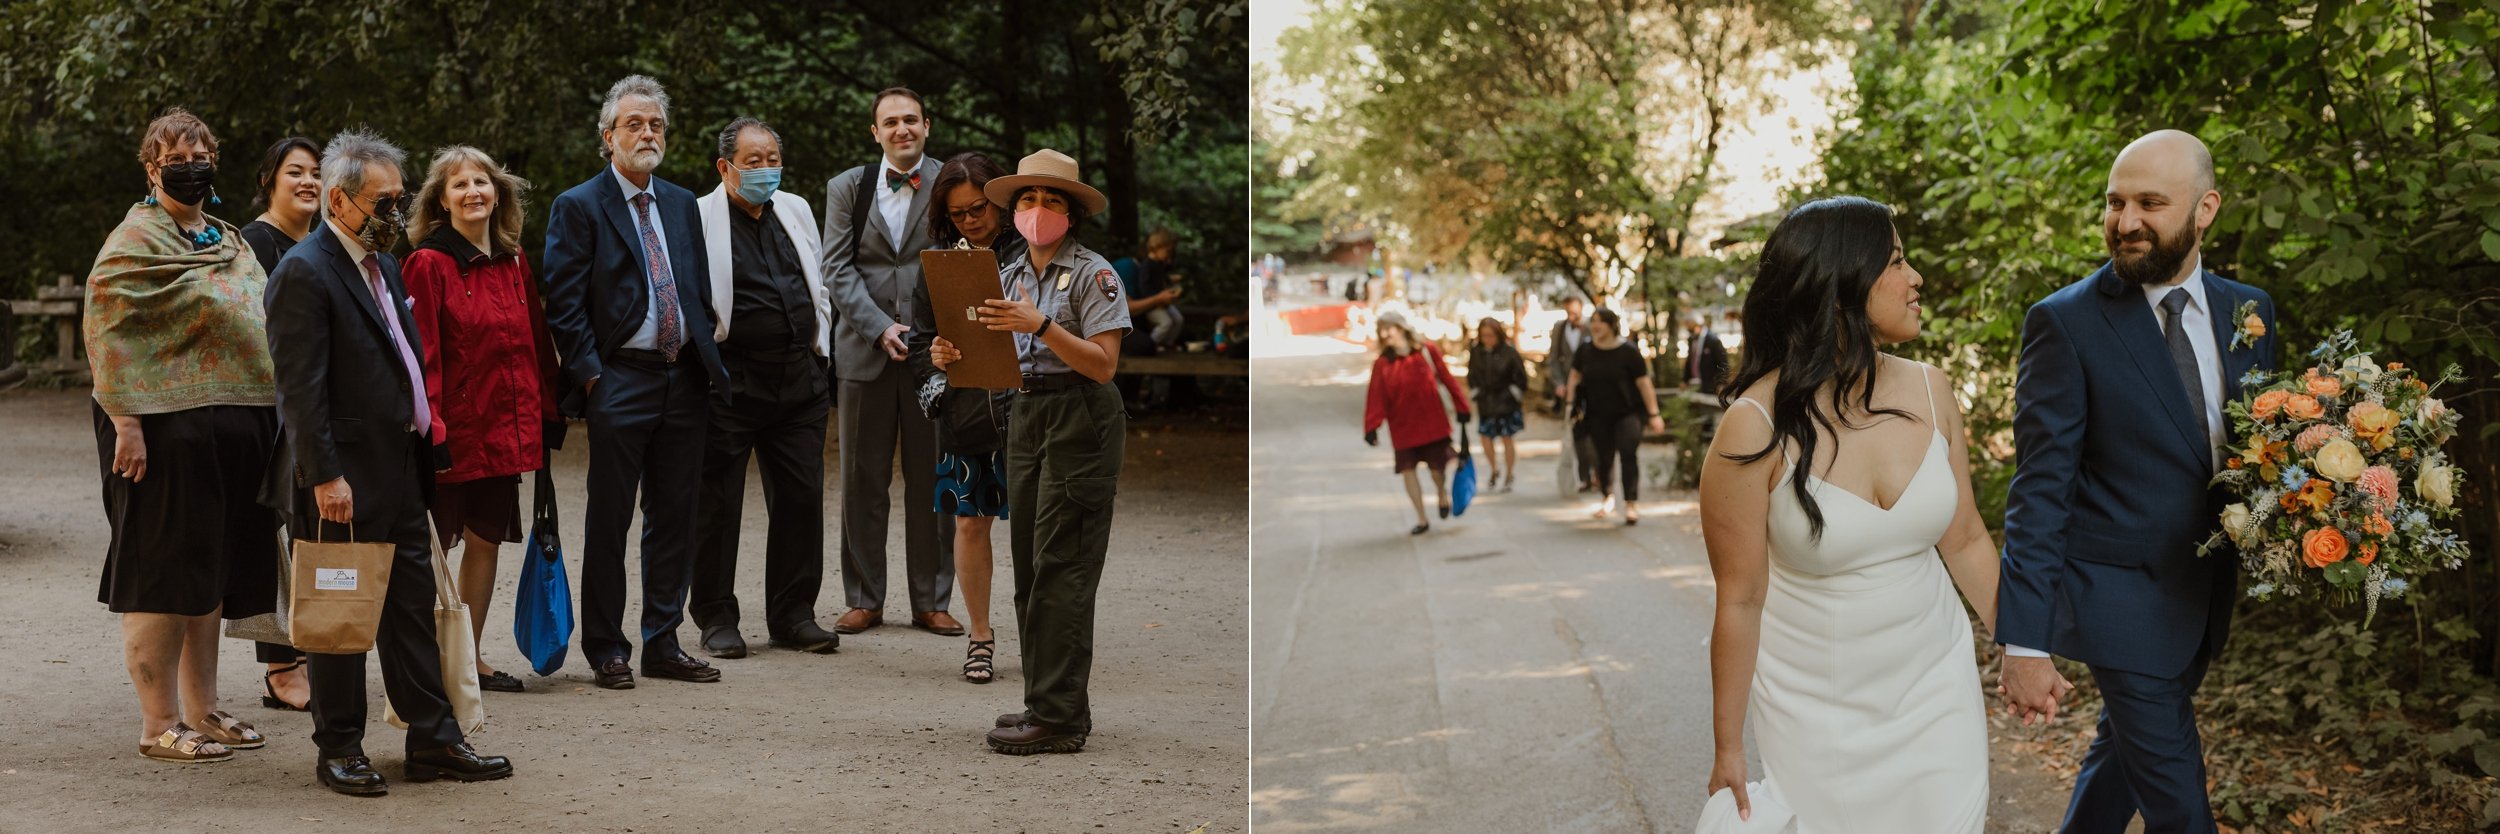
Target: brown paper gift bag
column 335, row 603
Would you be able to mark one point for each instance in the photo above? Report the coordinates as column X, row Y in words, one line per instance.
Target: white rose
column 2429, row 411
column 2234, row 522
column 2362, row 368
column 2437, row 484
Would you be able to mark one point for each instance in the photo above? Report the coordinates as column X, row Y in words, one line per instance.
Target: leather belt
column 1062, row 381
column 771, row 357
column 649, row 356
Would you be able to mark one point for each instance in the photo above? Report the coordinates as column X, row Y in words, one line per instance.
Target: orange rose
column 2304, row 407
column 2369, row 552
column 2374, row 424
column 2322, row 547
column 2253, row 326
column 2395, row 366
column 2269, row 404
column 2378, row 525
column 2324, row 386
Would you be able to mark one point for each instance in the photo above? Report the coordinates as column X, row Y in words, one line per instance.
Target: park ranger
column 1064, row 442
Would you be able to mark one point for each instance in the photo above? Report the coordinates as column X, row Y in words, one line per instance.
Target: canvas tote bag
column 457, row 647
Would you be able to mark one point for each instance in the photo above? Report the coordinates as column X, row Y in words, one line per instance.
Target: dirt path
column 883, row 736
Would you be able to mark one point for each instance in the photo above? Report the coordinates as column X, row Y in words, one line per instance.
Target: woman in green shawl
column 185, row 418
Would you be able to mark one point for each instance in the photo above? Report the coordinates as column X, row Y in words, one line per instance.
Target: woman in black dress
column 288, row 193
column 1610, row 385
column 185, row 421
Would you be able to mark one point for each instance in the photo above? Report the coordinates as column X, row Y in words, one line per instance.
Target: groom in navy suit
column 625, row 300
column 2118, row 429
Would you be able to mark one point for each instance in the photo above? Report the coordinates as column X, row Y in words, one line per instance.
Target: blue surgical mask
column 756, row 185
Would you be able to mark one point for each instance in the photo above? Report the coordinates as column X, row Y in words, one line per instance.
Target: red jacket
column 490, row 365
column 1402, row 395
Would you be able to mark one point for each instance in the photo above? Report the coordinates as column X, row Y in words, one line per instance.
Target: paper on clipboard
column 959, row 280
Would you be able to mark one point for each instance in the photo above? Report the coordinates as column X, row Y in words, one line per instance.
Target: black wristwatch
column 1045, row 328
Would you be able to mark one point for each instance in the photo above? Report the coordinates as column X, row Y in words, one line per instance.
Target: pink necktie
column 663, row 287
column 408, row 358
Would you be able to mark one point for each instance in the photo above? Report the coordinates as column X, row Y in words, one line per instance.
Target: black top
column 1607, row 387
column 268, row 244
column 1492, row 377
column 770, row 309
column 1153, row 276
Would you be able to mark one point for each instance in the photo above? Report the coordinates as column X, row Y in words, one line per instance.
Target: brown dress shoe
column 1010, row 720
column 858, row 620
column 938, row 622
column 1028, row 738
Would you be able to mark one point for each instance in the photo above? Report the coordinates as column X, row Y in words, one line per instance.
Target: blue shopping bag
column 1463, row 485
column 542, row 613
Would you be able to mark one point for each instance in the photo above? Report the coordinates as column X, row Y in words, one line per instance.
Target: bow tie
column 897, row 180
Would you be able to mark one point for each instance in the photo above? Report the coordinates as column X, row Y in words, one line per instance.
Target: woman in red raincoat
column 1405, row 393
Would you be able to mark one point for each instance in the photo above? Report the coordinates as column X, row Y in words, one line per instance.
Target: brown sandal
column 234, row 733
column 183, row 745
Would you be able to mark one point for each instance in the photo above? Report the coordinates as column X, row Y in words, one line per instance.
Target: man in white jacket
column 773, row 325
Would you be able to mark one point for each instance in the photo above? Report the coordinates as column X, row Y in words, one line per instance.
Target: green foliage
column 523, row 80
column 1546, row 136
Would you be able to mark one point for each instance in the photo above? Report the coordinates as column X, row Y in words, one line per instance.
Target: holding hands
column 2032, row 688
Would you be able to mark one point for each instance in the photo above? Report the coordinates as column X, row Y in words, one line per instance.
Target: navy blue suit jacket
column 2109, row 500
column 597, row 291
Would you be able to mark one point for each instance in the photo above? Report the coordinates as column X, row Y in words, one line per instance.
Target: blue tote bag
column 542, row 613
column 1463, row 485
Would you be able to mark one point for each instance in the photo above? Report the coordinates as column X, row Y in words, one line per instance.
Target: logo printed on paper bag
column 335, row 579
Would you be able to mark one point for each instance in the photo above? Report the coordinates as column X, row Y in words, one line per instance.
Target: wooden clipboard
column 959, row 280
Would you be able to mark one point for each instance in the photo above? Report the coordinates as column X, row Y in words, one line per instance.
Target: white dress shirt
column 894, row 203
column 2197, row 320
column 647, row 337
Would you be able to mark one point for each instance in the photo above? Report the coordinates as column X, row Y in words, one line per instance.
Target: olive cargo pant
column 1063, row 466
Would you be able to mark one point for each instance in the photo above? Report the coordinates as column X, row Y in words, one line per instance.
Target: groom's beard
column 2161, row 263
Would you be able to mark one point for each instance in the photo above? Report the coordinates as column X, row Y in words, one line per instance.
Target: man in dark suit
column 361, row 445
column 2118, row 427
column 625, row 300
column 875, row 226
column 1569, row 334
column 1705, row 359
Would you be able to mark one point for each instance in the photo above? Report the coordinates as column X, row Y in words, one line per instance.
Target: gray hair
column 631, row 85
column 350, row 153
column 729, row 135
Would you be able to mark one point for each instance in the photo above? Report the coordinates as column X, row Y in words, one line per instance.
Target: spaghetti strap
column 1927, row 376
column 1783, row 443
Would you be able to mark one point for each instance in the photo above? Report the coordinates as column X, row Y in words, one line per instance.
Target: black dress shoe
column 615, row 674
column 499, row 682
column 351, row 775
column 808, row 637
column 458, row 762
column 723, row 641
column 1028, row 738
column 681, row 667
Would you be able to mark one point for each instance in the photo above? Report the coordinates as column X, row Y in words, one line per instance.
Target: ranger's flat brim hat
column 1049, row 169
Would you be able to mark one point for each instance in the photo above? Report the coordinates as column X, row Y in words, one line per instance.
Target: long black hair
column 1806, row 319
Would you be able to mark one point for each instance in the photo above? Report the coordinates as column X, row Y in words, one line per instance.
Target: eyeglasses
column 390, row 208
column 658, row 127
column 958, row 216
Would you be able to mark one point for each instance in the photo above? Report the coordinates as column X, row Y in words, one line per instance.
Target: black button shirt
column 770, row 309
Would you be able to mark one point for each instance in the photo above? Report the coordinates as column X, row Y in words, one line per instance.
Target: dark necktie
column 897, row 180
column 663, row 287
column 2183, row 354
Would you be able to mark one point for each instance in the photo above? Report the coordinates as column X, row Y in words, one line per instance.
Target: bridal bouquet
column 2341, row 480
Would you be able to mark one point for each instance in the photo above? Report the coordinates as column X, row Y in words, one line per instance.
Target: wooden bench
column 1183, row 364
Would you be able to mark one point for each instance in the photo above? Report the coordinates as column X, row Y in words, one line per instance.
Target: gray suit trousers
column 872, row 417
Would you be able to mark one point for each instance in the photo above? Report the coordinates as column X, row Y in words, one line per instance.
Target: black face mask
column 188, row 184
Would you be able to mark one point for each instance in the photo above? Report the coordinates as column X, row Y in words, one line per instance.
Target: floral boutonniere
column 2251, row 327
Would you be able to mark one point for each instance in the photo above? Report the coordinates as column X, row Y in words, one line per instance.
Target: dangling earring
column 212, row 197
column 151, row 199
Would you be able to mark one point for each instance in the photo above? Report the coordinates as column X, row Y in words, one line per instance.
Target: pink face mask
column 1041, row 226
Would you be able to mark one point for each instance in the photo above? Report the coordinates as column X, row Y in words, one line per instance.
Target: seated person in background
column 1153, row 289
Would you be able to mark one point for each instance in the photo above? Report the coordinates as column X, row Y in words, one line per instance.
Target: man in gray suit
column 875, row 226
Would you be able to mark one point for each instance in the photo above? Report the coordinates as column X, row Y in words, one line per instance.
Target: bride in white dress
column 1836, row 503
